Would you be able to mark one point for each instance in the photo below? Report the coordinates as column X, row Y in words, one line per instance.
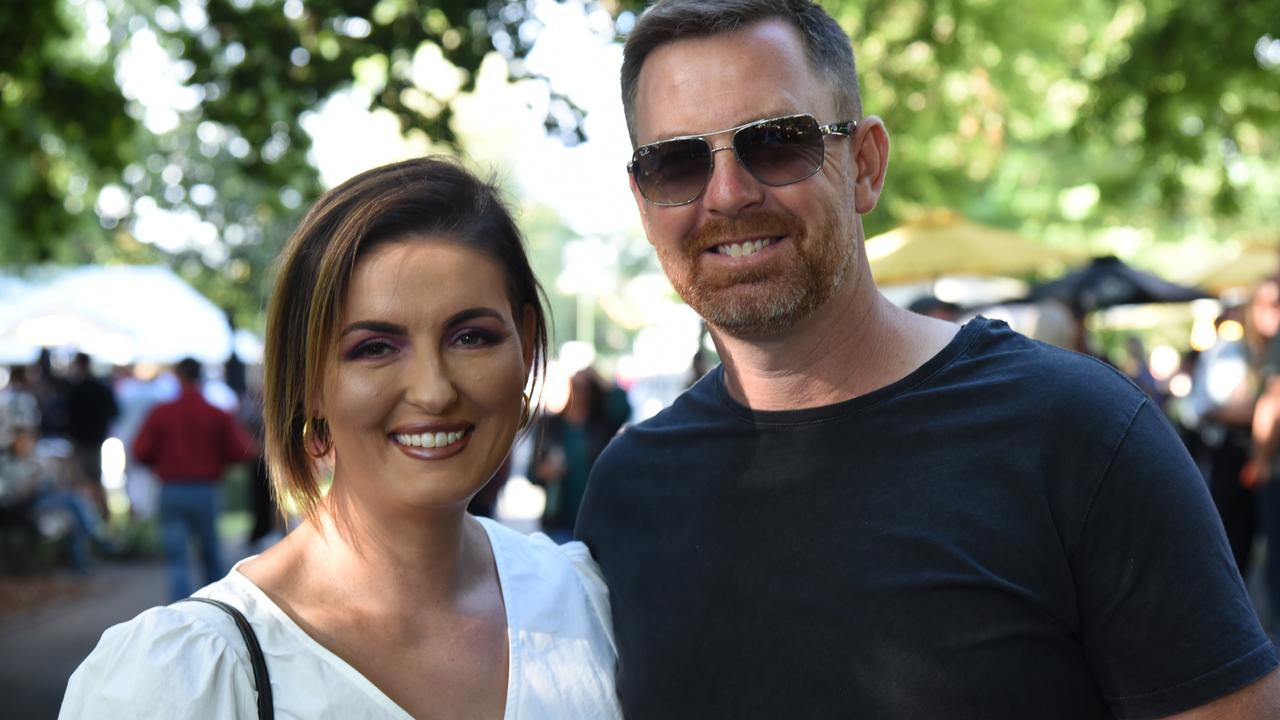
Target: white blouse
column 189, row 661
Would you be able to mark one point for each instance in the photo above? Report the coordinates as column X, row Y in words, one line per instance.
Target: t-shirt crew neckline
column 959, row 344
column 344, row 667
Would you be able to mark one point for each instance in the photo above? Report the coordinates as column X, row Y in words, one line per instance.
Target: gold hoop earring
column 526, row 411
column 315, row 437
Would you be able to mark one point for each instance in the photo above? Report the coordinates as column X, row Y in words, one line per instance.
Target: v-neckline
column 348, row 670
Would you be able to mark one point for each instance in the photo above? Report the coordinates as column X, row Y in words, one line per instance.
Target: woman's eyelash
column 474, row 336
column 376, row 347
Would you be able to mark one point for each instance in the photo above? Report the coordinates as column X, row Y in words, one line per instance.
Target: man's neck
column 856, row 343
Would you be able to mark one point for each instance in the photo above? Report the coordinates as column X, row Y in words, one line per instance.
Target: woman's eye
column 475, row 338
column 372, row 349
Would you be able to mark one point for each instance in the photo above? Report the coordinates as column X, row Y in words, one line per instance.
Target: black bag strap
column 261, row 680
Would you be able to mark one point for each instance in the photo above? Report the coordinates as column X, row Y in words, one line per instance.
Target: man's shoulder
column 1000, row 355
column 186, row 404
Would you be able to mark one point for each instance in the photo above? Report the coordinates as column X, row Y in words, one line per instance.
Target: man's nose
column 731, row 188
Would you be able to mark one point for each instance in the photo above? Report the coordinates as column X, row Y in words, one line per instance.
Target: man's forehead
column 703, row 84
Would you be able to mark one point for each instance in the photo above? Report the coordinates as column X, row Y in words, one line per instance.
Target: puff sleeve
column 166, row 663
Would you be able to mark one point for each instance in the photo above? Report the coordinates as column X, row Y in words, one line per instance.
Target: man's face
column 800, row 240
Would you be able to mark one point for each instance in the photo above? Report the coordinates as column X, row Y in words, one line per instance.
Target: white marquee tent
column 119, row 314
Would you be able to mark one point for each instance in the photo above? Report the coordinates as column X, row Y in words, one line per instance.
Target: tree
column 235, row 165
column 1060, row 117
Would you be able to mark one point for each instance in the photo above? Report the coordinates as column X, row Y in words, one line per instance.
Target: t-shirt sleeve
column 1165, row 619
column 165, row 663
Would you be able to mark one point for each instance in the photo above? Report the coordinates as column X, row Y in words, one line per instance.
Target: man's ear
column 871, row 161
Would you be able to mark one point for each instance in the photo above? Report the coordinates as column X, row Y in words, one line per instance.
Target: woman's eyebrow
column 473, row 313
column 375, row 326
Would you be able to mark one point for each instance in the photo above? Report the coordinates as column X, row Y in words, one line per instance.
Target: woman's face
column 422, row 392
column 1265, row 309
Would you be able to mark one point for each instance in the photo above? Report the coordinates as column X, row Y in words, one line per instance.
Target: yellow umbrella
column 1255, row 261
column 942, row 242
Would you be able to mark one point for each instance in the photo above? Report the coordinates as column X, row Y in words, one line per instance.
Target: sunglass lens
column 672, row 172
column 783, row 151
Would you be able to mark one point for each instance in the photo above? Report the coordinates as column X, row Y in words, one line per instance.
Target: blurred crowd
column 1230, row 418
column 60, row 506
column 71, row 484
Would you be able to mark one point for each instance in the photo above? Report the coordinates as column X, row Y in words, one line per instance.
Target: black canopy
column 1106, row 281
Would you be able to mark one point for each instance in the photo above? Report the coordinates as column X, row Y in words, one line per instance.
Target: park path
column 41, row 647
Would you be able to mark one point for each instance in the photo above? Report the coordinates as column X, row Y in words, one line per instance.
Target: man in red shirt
column 188, row 443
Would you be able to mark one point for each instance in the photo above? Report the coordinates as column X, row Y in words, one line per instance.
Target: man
column 866, row 512
column 188, row 444
column 91, row 406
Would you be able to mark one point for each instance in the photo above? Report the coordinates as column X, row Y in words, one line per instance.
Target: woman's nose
column 431, row 387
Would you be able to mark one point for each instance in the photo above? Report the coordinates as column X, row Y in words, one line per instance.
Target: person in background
column 91, row 406
column 19, row 406
column 1262, row 336
column 568, row 444
column 1219, row 410
column 136, row 396
column 865, row 512
column 267, row 517
column 29, row 487
column 188, row 444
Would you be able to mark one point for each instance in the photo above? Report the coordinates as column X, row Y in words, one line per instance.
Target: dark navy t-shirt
column 1011, row 531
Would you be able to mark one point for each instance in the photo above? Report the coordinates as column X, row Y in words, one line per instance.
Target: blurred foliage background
column 1065, row 119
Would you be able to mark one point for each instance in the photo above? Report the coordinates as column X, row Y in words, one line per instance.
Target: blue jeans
column 85, row 525
column 186, row 509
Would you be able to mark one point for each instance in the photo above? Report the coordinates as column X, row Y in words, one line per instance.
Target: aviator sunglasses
column 776, row 151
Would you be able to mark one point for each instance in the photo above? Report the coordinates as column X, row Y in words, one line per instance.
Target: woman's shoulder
column 185, row 660
column 536, row 550
column 563, row 655
column 533, row 566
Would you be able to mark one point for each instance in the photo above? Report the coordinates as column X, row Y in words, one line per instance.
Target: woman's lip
column 431, row 427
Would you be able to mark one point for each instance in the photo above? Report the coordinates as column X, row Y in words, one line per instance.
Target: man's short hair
column 826, row 44
column 188, row 369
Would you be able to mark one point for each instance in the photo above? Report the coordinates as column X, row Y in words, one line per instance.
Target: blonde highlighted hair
column 431, row 196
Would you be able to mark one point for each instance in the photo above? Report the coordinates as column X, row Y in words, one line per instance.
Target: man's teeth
column 750, row 247
column 430, row 440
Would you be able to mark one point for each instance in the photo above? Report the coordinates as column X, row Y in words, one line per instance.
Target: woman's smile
column 427, row 375
column 432, row 445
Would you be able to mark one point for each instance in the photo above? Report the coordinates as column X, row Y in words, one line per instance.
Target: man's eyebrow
column 375, row 326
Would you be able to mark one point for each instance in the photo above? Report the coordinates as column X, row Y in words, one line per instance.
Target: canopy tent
column 1253, row 262
column 1106, row 282
column 942, row 242
column 121, row 314
column 12, row 352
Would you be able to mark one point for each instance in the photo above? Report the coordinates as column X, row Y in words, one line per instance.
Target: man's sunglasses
column 777, row 151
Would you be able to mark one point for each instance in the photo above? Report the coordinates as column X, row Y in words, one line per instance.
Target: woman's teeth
column 750, row 247
column 429, row 440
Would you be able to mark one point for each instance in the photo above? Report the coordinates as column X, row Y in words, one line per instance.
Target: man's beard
column 771, row 297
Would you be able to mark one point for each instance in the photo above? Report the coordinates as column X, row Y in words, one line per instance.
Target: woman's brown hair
column 425, row 196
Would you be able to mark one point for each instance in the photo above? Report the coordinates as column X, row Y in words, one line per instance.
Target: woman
column 569, row 443
column 402, row 332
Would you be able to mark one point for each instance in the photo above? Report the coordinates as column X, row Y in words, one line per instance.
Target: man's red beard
column 769, row 297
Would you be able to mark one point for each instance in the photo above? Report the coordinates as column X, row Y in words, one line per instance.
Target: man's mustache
column 718, row 231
